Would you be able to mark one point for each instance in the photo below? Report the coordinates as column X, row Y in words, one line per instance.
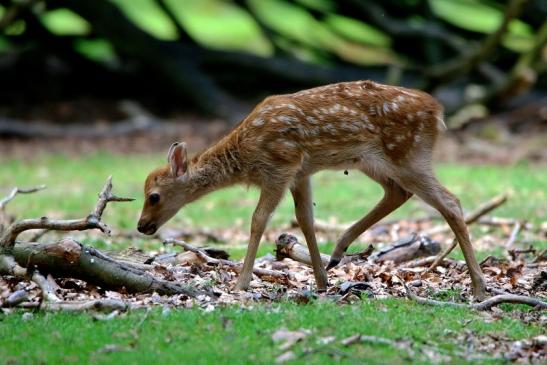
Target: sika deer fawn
column 385, row 132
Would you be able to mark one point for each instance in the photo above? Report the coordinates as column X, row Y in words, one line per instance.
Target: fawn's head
column 165, row 190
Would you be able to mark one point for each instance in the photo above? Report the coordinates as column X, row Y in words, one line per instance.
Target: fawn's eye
column 154, row 198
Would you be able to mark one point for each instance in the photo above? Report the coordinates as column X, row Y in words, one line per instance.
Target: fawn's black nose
column 145, row 228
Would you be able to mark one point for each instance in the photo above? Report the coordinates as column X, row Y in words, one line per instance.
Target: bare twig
column 514, row 233
column 15, row 191
column 92, row 221
column 48, row 290
column 427, row 261
column 474, row 215
column 487, row 304
column 212, row 261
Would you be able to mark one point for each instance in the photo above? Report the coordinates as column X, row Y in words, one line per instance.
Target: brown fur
column 386, row 132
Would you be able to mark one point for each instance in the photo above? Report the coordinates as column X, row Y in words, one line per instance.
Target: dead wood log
column 69, row 258
column 287, row 246
column 103, row 305
column 50, row 301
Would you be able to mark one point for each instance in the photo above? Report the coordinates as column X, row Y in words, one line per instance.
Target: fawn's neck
column 217, row 167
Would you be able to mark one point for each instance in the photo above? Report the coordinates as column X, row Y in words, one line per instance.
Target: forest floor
column 318, row 332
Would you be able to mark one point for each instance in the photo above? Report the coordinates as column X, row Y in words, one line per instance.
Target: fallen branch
column 50, row 302
column 216, row 262
column 69, row 258
column 427, row 261
column 484, row 305
column 92, row 221
column 287, row 246
column 408, row 248
column 105, row 305
column 514, row 233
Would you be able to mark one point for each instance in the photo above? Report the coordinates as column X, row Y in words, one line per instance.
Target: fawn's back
column 360, row 124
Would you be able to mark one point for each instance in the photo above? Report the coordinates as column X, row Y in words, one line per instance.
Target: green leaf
column 65, row 22
column 484, row 17
column 221, row 25
column 358, row 31
column 95, row 49
column 149, row 17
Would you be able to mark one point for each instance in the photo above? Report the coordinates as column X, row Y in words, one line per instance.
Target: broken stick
column 92, row 221
column 287, row 246
column 215, row 262
column 484, row 305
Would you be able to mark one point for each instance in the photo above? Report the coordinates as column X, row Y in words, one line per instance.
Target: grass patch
column 234, row 335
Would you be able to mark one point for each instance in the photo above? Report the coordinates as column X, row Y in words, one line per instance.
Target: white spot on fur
column 394, row 106
column 335, row 108
column 417, row 138
column 400, row 98
column 287, row 119
column 289, row 144
column 258, row 122
column 330, row 129
column 311, row 120
column 399, row 138
column 391, row 146
column 378, row 110
column 315, row 131
column 386, row 108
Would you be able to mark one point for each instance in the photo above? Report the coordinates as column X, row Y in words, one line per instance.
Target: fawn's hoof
column 332, row 263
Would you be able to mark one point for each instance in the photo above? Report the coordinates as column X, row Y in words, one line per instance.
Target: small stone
column 416, row 283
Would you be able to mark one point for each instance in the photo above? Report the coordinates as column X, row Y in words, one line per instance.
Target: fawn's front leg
column 303, row 205
column 269, row 199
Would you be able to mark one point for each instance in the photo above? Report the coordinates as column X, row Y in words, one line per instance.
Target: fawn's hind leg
column 394, row 197
column 428, row 188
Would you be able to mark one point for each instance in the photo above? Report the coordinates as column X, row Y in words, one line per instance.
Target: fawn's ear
column 177, row 158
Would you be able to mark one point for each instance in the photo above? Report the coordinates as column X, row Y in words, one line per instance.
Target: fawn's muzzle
column 147, row 228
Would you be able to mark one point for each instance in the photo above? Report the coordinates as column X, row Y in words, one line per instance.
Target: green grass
column 237, row 336
column 233, row 335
